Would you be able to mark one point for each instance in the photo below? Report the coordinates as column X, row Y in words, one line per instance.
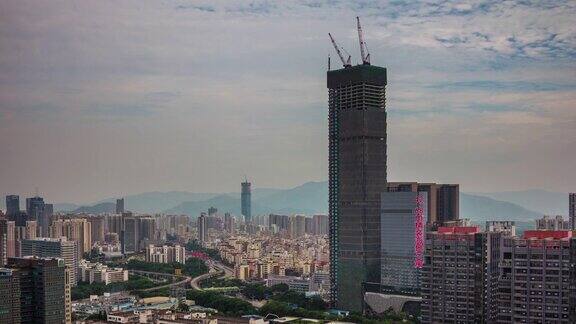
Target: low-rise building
column 97, row 272
column 166, row 254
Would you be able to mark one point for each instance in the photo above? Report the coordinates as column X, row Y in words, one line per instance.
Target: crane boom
column 344, row 62
column 363, row 48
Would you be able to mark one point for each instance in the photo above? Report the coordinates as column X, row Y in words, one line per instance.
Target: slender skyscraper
column 357, row 177
column 245, row 197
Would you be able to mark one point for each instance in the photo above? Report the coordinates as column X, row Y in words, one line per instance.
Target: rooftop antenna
column 345, row 63
column 328, row 62
column 363, row 48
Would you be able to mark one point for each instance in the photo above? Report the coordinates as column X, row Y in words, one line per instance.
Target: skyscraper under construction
column 357, row 175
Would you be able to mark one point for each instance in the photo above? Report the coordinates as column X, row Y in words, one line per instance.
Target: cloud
column 187, row 95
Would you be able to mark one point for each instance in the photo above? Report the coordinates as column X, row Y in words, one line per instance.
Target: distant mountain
column 65, row 207
column 542, row 201
column 156, row 202
column 309, row 198
column 227, row 204
column 96, row 209
column 479, row 209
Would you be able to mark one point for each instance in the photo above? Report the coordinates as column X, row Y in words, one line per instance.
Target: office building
column 402, row 226
column 12, row 206
column 45, row 220
column 35, row 208
column 41, row 287
column 7, row 240
column 246, row 203
column 357, row 176
column 537, row 278
column 460, row 276
column 166, row 254
column 131, row 234
column 552, row 223
column 53, row 247
column 202, row 229
column 120, row 206
column 443, row 200
column 572, row 210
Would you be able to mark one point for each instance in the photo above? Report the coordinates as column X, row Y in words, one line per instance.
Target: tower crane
column 345, row 63
column 363, row 48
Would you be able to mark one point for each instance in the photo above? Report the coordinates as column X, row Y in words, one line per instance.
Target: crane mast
column 363, row 48
column 345, row 63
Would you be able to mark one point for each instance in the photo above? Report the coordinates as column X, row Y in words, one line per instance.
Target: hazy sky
column 105, row 98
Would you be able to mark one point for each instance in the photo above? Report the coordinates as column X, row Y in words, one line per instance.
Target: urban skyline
column 389, row 237
column 493, row 85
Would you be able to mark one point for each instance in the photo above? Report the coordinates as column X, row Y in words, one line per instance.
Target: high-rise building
column 320, row 224
column 357, row 176
column 120, row 206
column 281, row 221
column 78, row 230
column 45, row 220
column 114, row 224
column 297, row 226
column 460, row 276
column 443, row 200
column 246, row 203
column 403, row 225
column 35, row 208
column 7, row 240
column 131, row 235
column 42, row 289
column 10, row 292
column 572, row 209
column 53, row 247
column 538, row 278
column 229, row 223
column 98, row 228
column 202, row 228
column 12, row 206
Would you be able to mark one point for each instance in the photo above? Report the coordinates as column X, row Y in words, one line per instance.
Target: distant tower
column 245, row 197
column 572, row 208
column 202, row 229
column 119, row 206
column 12, row 206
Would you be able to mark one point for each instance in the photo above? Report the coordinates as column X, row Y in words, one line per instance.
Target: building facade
column 357, row 176
column 402, row 226
column 50, row 247
column 44, row 293
column 166, row 254
column 537, row 278
column 246, row 200
column 460, row 276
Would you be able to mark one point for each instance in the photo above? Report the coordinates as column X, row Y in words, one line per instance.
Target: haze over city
column 101, row 99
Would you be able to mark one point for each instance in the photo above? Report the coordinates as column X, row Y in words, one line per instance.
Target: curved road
column 183, row 282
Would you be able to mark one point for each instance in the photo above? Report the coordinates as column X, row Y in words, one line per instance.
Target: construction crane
column 345, row 63
column 363, row 48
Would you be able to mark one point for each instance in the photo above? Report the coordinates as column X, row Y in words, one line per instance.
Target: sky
column 108, row 98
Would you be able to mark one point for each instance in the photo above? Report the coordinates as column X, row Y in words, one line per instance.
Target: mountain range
column 312, row 197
